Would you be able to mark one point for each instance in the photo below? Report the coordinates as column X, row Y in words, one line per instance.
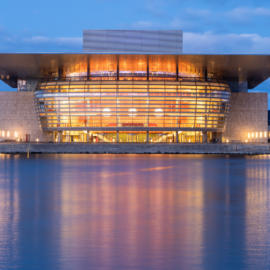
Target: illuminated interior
column 132, row 110
column 130, row 67
column 132, row 98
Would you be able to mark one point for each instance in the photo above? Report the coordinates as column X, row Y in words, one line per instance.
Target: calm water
column 134, row 212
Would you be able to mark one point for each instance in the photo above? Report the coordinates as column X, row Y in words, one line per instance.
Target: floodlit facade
column 133, row 110
column 135, row 98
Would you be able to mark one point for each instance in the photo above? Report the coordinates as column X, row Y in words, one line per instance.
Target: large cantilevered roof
column 232, row 68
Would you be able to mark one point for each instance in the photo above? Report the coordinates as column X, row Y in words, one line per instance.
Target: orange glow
column 105, row 65
column 140, row 104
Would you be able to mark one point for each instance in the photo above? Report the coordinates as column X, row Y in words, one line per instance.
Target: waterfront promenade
column 136, row 148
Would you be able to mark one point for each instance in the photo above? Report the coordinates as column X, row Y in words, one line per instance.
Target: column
column 59, row 136
column 204, row 136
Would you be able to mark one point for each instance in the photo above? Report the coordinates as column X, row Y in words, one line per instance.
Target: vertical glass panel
column 189, row 70
column 162, row 66
column 103, row 67
column 132, row 67
column 75, row 70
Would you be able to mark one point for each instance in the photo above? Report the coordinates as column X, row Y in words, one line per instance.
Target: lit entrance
column 131, row 136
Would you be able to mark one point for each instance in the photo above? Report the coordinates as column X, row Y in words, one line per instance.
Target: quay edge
column 133, row 148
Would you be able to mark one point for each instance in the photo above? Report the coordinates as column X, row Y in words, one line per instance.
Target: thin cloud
column 203, row 13
column 13, row 43
column 69, row 40
column 201, row 20
column 155, row 7
column 225, row 43
column 58, row 40
column 143, row 24
column 36, row 39
column 244, row 13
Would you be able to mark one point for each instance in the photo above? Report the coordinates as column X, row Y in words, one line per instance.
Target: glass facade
column 132, row 110
column 127, row 67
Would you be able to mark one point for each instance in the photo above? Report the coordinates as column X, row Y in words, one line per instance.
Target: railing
column 130, row 77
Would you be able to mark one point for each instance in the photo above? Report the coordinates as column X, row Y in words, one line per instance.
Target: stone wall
column 248, row 118
column 18, row 117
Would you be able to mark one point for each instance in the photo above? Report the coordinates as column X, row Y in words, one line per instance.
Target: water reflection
column 8, row 211
column 134, row 216
column 134, row 212
column 258, row 212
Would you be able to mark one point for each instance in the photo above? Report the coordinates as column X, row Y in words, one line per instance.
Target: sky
column 210, row 26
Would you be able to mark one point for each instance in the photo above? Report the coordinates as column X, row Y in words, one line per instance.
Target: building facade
column 134, row 97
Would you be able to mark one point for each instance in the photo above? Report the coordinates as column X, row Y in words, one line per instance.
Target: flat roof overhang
column 232, row 68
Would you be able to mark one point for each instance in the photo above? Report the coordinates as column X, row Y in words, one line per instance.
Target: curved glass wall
column 133, row 105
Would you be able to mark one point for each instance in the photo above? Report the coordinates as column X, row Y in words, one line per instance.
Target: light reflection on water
column 134, row 212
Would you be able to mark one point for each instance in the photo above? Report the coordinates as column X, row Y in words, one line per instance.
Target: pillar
column 204, row 136
column 59, row 136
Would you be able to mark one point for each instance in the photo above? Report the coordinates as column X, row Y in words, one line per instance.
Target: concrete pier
column 135, row 148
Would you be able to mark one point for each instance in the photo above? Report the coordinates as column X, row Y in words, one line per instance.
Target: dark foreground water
column 134, row 212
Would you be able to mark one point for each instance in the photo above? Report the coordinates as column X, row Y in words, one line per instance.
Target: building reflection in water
column 224, row 213
column 9, row 210
column 134, row 212
column 29, row 213
column 258, row 211
column 141, row 214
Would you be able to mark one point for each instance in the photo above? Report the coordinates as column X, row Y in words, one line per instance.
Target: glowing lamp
column 106, row 112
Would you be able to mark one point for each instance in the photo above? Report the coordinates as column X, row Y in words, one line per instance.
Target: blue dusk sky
column 210, row 26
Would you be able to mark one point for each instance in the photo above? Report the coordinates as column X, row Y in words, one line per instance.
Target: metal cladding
column 254, row 69
column 133, row 41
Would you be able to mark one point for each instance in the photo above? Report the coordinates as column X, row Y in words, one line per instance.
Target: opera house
column 134, row 87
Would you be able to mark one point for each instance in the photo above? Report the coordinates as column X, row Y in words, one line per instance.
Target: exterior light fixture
column 159, row 112
column 3, row 133
column 15, row 134
column 37, row 139
column 8, row 133
column 132, row 111
column 265, row 134
column 248, row 135
column 106, row 112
